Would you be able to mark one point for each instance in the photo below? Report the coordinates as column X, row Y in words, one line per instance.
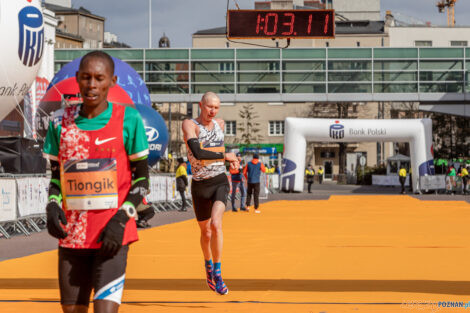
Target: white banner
column 388, row 180
column 7, row 200
column 157, row 189
column 432, row 182
column 32, row 195
column 170, row 188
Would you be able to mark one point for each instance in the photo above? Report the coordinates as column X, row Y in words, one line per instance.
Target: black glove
column 146, row 214
column 113, row 233
column 55, row 215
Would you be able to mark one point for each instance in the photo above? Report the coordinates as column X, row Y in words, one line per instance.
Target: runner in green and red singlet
column 98, row 154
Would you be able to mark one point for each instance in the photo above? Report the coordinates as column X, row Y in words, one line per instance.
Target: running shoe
column 209, row 277
column 220, row 286
column 257, row 211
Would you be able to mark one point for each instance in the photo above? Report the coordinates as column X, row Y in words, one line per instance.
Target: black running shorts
column 84, row 270
column 205, row 192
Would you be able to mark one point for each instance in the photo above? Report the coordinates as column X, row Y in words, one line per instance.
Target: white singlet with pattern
column 208, row 139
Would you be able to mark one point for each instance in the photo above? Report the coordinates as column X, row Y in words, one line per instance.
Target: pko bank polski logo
column 31, row 42
column 337, row 130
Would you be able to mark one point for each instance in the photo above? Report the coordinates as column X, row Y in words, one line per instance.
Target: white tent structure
column 298, row 131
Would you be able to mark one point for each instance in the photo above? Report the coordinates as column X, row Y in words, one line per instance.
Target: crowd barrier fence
column 24, row 198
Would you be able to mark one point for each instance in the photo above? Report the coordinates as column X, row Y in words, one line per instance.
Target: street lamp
column 150, row 24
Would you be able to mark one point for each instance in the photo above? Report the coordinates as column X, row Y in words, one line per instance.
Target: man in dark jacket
column 252, row 172
column 182, row 182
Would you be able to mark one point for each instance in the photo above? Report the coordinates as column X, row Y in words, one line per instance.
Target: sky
column 179, row 19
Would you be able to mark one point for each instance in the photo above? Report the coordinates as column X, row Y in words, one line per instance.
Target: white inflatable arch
column 418, row 132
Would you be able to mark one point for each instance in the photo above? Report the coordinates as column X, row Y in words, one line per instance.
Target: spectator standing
column 310, row 175
column 252, row 172
column 182, row 182
column 237, row 182
column 465, row 177
column 320, row 175
column 402, row 178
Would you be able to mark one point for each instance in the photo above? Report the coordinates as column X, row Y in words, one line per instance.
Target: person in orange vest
column 238, row 182
column 252, row 172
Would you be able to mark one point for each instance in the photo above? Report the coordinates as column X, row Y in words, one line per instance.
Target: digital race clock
column 281, row 24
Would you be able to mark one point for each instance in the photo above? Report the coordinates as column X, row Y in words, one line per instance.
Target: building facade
column 78, row 28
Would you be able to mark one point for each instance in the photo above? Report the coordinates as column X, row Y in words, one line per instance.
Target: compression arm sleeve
column 202, row 154
column 140, row 182
column 54, row 186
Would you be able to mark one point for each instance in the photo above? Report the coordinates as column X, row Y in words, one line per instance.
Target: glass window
column 175, row 54
column 258, row 66
column 349, row 53
column 258, row 88
column 395, row 76
column 304, row 65
column 303, row 88
column 440, row 65
column 349, row 65
column 395, row 65
column 230, row 128
column 394, row 53
column 212, row 66
column 276, row 128
column 166, row 77
column 262, row 54
column 304, row 77
column 166, row 66
column 349, row 76
column 441, row 53
column 441, row 87
column 459, row 43
column 219, row 88
column 423, row 43
column 226, row 66
column 293, row 53
column 201, row 54
column 126, row 54
column 168, row 88
column 212, row 77
column 349, row 88
column 395, row 88
column 259, row 77
column 441, row 76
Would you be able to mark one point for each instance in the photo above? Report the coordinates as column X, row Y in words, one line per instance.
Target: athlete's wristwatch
column 129, row 209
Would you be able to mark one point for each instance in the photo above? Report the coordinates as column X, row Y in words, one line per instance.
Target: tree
column 249, row 128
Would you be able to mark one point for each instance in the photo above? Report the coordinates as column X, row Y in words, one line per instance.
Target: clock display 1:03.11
column 281, row 24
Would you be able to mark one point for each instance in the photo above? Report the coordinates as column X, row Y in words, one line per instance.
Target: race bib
column 89, row 184
column 214, row 146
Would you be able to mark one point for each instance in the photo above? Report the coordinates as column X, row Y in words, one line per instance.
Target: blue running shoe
column 220, row 286
column 209, row 275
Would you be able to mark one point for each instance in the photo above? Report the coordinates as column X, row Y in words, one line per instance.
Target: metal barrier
column 433, row 182
column 24, row 198
column 454, row 184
